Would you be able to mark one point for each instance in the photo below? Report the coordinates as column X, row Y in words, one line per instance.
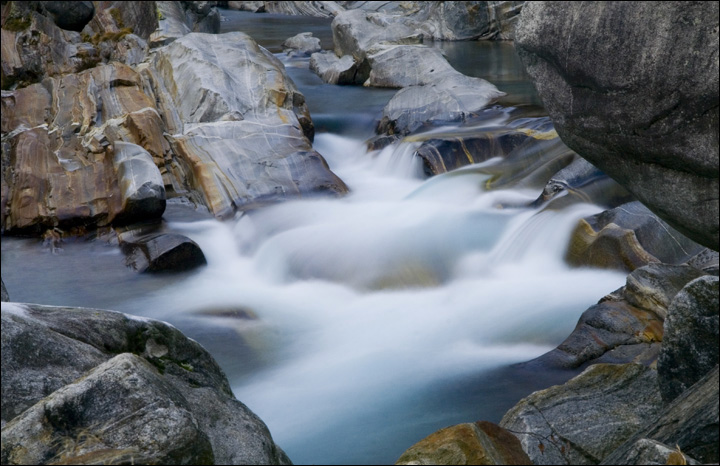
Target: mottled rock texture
column 585, row 419
column 481, row 442
column 690, row 422
column 627, row 237
column 648, row 451
column 633, row 88
column 238, row 126
column 91, row 385
column 690, row 344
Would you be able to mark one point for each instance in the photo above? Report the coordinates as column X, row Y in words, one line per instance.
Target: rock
column 648, row 451
column 650, row 126
column 4, row 296
column 706, row 260
column 255, row 7
column 481, row 442
column 70, row 15
column 180, row 18
column 407, row 65
column 141, row 185
column 585, row 419
column 238, row 126
column 136, row 412
column 690, row 422
column 581, row 181
column 320, row 9
column 626, row 238
column 303, row 44
column 452, row 99
column 139, row 18
column 626, row 325
column 106, row 384
column 690, row 345
column 161, row 252
column 334, row 70
column 57, row 144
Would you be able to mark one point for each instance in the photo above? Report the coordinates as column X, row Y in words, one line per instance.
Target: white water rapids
column 364, row 300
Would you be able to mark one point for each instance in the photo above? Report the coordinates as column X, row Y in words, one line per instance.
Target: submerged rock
column 481, row 442
column 626, row 238
column 587, row 418
column 650, row 126
column 90, row 385
column 690, row 345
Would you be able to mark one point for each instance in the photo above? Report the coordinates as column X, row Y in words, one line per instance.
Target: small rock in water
column 162, row 252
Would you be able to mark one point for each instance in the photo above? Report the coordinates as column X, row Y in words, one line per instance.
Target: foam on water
column 399, row 285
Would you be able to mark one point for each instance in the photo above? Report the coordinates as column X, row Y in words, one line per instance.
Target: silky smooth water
column 354, row 326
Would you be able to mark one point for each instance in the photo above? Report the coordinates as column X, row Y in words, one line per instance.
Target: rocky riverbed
column 119, row 118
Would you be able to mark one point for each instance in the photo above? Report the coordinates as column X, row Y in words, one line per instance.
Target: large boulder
column 647, row 116
column 141, row 184
column 238, row 126
column 92, row 385
column 585, row 419
column 179, row 18
column 481, row 442
column 690, row 345
column 334, row 70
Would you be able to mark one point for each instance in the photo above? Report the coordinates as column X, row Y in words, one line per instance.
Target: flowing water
column 354, row 327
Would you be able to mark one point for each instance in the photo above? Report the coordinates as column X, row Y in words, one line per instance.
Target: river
column 354, row 327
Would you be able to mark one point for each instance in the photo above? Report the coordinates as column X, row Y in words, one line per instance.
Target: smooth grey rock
column 180, row 18
column 626, row 325
column 585, row 419
column 407, row 65
column 627, row 237
column 647, row 116
column 689, row 422
column 334, row 70
column 70, row 15
column 451, row 99
column 303, row 44
column 195, row 396
column 238, row 125
column 123, row 404
column 161, row 252
column 690, row 345
column 140, row 182
column 648, row 451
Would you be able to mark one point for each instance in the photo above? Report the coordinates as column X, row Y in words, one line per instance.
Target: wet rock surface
column 584, row 420
column 648, row 125
column 477, row 443
column 93, row 379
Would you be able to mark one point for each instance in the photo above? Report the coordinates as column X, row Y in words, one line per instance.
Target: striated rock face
column 35, row 47
column 648, row 116
column 690, row 345
column 626, row 325
column 238, row 126
column 57, row 159
column 141, row 185
column 91, row 385
column 481, row 442
column 585, row 419
column 626, row 238
column 648, row 451
column 690, row 422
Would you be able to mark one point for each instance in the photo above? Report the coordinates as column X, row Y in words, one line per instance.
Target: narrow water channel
column 354, row 327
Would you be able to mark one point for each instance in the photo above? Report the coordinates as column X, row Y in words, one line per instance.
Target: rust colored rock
column 479, row 443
